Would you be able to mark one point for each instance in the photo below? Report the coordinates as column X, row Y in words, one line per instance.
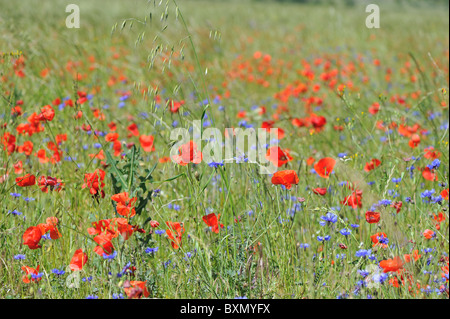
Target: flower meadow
column 93, row 205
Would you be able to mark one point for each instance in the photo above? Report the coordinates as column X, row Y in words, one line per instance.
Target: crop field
column 199, row 149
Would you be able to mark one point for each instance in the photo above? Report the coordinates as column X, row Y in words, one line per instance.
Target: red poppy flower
column 416, row 256
column 133, row 128
column 136, row 289
column 428, row 234
column 414, row 141
column 354, row 200
column 439, row 218
column 286, row 178
column 79, row 259
column 18, row 167
column 429, row 174
column 105, row 245
column 213, row 221
column 444, row 194
column 188, row 153
column 46, row 182
column 32, row 236
column 101, row 226
column 123, row 228
column 26, row 148
column 111, row 137
column 310, row 161
column 374, row 108
column 50, row 225
column 430, row 153
column 318, row 121
column 372, row 217
column 125, row 205
column 277, row 156
column 147, row 143
column 320, row 191
column 164, row 159
column 325, row 166
column 47, row 113
column 397, row 205
column 27, row 180
column 179, row 231
column 30, row 271
column 375, row 240
column 391, row 264
column 374, row 163
column 9, row 142
column 174, row 106
column 95, row 182
column 270, row 124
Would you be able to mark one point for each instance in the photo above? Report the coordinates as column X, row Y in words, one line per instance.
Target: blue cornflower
column 15, row 194
column 86, row 279
column 58, row 272
column 427, row 193
column 111, row 256
column 118, row 296
column 380, row 278
column 149, row 250
column 341, row 155
column 345, row 232
column 435, row 164
column 15, row 212
column 383, row 240
column 396, row 180
column 215, row 164
column 354, row 225
column 92, row 297
column 328, row 218
column 19, row 257
column 363, row 253
column 35, row 277
column 28, row 199
column 363, row 273
column 304, row 246
column 319, row 238
column 436, row 199
column 385, row 202
column 327, row 237
column 46, row 236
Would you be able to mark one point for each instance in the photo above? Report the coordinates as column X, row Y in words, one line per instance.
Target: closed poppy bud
column 154, row 223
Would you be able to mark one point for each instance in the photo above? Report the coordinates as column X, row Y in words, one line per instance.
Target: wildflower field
column 98, row 201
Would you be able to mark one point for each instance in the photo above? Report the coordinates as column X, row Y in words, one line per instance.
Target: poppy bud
column 154, row 223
